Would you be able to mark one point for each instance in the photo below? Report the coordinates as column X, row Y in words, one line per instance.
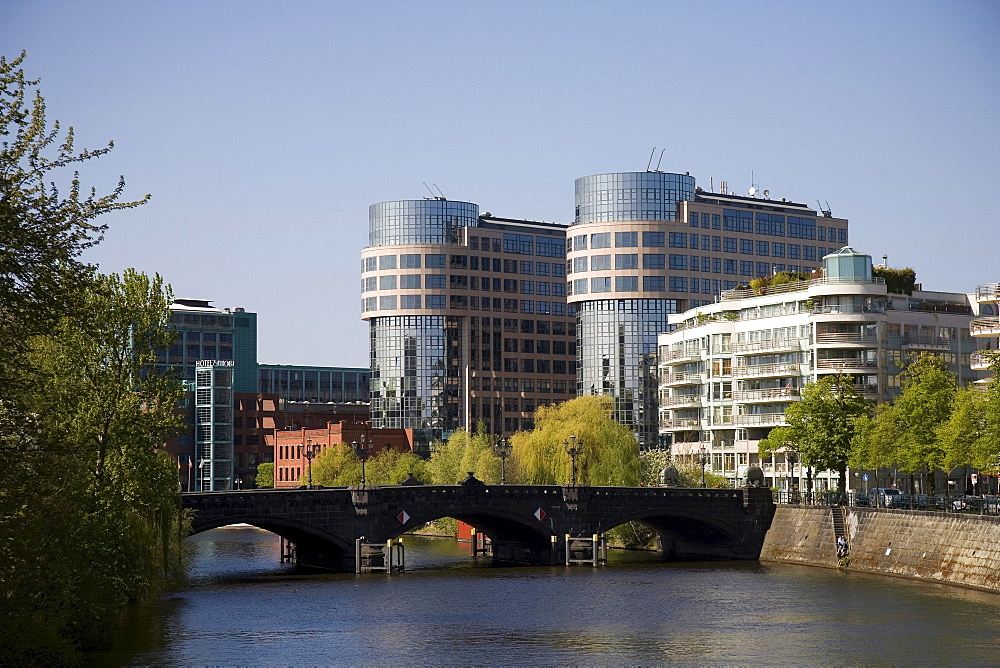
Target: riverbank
column 944, row 548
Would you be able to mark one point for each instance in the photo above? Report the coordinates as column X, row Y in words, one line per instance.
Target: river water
column 242, row 607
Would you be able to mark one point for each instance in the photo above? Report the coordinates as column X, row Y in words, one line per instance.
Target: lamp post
column 238, row 482
column 792, row 458
column 201, row 477
column 703, row 460
column 573, row 449
column 362, row 452
column 308, row 452
column 502, row 448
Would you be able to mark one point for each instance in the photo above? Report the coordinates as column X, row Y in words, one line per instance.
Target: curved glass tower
column 618, row 281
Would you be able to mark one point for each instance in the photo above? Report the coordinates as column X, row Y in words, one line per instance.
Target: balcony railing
column 683, row 400
column 926, row 342
column 798, row 285
column 988, row 293
column 981, row 361
column 764, row 370
column 682, row 378
column 770, row 394
column 765, row 346
column 838, row 338
column 759, row 419
column 985, row 326
column 677, row 356
column 839, row 364
column 686, row 423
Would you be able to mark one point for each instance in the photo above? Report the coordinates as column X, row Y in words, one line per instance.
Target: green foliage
column 609, row 452
column 265, row 475
column 906, row 431
column 90, row 516
column 761, row 284
column 339, row 465
column 823, row 424
column 897, row 281
column 43, row 230
column 971, row 434
column 651, row 462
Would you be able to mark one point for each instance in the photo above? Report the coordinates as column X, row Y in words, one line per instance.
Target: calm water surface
column 242, row 607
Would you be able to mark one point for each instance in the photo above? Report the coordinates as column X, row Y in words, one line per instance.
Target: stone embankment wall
column 945, row 548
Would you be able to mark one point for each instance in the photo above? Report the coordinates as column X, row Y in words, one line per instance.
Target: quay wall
column 936, row 547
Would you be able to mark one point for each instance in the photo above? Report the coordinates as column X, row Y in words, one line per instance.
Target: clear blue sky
column 263, row 130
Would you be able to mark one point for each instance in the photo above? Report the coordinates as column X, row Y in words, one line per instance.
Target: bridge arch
column 307, row 537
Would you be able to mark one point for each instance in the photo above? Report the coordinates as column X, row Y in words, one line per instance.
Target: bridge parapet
column 525, row 523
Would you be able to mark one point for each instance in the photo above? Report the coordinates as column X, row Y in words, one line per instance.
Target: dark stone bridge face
column 526, row 523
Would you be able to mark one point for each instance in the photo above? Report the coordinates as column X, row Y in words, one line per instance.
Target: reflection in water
column 243, row 607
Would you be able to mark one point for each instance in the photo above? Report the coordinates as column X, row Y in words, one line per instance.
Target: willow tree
column 463, row 453
column 608, row 452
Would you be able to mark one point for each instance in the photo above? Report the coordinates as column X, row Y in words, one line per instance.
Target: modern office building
column 645, row 245
column 468, row 318
column 233, row 403
column 730, row 369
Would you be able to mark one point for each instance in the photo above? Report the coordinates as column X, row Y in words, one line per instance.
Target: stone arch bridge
column 526, row 523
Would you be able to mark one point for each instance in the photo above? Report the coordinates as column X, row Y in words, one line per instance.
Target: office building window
column 762, row 248
column 386, row 282
column 579, row 243
column 434, row 301
column 704, row 221
column 386, row 261
column 626, row 283
column 435, row 281
column 763, row 268
column 600, row 284
column 694, row 262
column 653, row 261
column 694, row 286
column 678, row 284
column 626, row 261
column 693, row 219
column 746, row 247
column 678, row 262
column 746, row 268
column 794, row 251
column 716, row 265
column 626, row 239
column 706, row 264
column 409, row 261
column 600, row 262
column 678, row 239
column 434, row 261
column 729, row 245
column 653, row 284
column 729, row 267
column 778, row 250
column 387, row 303
column 653, row 239
column 717, row 244
column 409, row 301
column 579, row 264
column 601, row 240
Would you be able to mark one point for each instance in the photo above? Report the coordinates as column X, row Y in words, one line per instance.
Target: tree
column 609, row 452
column 338, row 465
column 265, row 475
column 42, row 231
column 905, row 432
column 823, row 424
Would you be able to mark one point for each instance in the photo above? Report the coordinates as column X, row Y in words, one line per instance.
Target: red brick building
column 289, row 446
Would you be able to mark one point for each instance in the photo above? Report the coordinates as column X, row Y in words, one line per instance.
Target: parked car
column 884, row 497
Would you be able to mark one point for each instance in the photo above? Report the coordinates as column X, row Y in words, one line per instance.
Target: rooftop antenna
column 442, row 197
column 829, row 211
column 660, row 160
column 826, row 212
column 429, row 189
column 885, row 261
column 650, row 162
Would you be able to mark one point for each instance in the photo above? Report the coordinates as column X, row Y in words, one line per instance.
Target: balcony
column 682, row 400
column 981, row 361
column 680, row 424
column 674, row 357
column 985, row 327
column 796, row 286
column 837, row 365
column 682, row 378
column 926, row 343
column 847, row 339
column 766, row 370
column 867, row 391
column 988, row 293
column 782, row 345
column 759, row 420
column 770, row 394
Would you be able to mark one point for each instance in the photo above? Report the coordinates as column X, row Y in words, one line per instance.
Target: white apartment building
column 730, row 369
column 987, row 326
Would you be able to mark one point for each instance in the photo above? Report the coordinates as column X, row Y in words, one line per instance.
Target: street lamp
column 502, row 448
column 238, row 481
column 572, row 449
column 703, row 460
column 362, row 452
column 309, row 453
column 793, row 459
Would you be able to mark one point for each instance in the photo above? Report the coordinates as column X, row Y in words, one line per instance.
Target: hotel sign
column 214, row 363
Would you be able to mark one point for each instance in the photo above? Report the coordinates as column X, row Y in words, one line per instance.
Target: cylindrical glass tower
column 618, row 280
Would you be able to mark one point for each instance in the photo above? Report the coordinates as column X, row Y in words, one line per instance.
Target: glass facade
column 314, row 384
column 415, row 373
column 213, row 426
column 631, row 196
column 428, row 221
column 616, row 355
column 207, row 333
